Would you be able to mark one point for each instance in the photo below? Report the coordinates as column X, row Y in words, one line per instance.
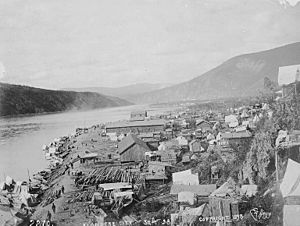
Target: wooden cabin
column 226, row 201
column 234, row 138
column 132, row 149
column 203, row 125
column 168, row 156
column 138, row 115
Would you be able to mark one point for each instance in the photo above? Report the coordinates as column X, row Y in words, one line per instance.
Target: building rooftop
column 130, row 140
column 229, row 188
column 90, row 156
column 201, row 189
column 113, row 186
column 122, row 124
column 244, row 134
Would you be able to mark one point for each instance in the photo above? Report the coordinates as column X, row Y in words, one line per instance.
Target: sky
column 62, row 44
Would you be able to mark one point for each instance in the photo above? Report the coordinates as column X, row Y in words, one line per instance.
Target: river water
column 22, row 138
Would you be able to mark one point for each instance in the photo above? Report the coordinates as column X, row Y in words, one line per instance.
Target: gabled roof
column 201, row 121
column 229, row 188
column 189, row 216
column 129, row 141
column 244, row 134
column 90, row 156
column 244, row 114
column 201, row 189
column 193, row 211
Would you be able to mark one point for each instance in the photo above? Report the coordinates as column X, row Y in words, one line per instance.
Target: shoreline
column 78, row 145
column 6, row 215
column 78, row 142
column 58, row 112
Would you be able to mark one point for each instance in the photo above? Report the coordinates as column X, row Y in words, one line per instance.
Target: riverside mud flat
column 75, row 213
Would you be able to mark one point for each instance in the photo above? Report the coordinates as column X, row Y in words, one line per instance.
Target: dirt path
column 74, row 213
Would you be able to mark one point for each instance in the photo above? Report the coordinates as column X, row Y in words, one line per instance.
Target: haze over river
column 22, row 138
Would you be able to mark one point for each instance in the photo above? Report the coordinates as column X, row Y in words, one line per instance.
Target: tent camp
column 290, row 189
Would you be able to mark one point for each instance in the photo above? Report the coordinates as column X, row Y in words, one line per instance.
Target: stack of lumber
column 108, row 175
column 83, row 196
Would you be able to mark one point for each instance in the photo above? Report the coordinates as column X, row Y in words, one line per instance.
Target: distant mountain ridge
column 16, row 100
column 240, row 76
column 123, row 91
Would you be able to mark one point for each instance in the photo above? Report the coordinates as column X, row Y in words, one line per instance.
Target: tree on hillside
column 259, row 157
column 285, row 117
column 286, row 113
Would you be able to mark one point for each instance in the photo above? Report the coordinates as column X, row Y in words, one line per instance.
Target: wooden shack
column 203, row 125
column 88, row 158
column 168, row 156
column 226, row 200
column 132, row 149
column 157, row 173
column 197, row 146
column 234, row 138
column 200, row 191
column 138, row 115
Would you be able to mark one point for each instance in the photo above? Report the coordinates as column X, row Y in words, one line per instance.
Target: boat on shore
column 18, row 199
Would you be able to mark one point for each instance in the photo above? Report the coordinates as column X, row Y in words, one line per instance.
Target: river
column 22, row 138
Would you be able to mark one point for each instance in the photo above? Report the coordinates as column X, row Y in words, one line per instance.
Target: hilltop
column 123, row 91
column 240, row 76
column 17, row 99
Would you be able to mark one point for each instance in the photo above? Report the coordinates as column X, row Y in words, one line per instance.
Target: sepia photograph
column 150, row 113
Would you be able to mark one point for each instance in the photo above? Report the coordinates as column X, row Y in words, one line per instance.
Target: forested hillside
column 16, row 99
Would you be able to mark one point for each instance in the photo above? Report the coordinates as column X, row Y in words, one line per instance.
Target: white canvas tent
column 231, row 120
column 256, row 119
column 182, row 140
column 249, row 189
column 187, row 196
column 290, row 189
column 291, row 176
column 185, row 177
